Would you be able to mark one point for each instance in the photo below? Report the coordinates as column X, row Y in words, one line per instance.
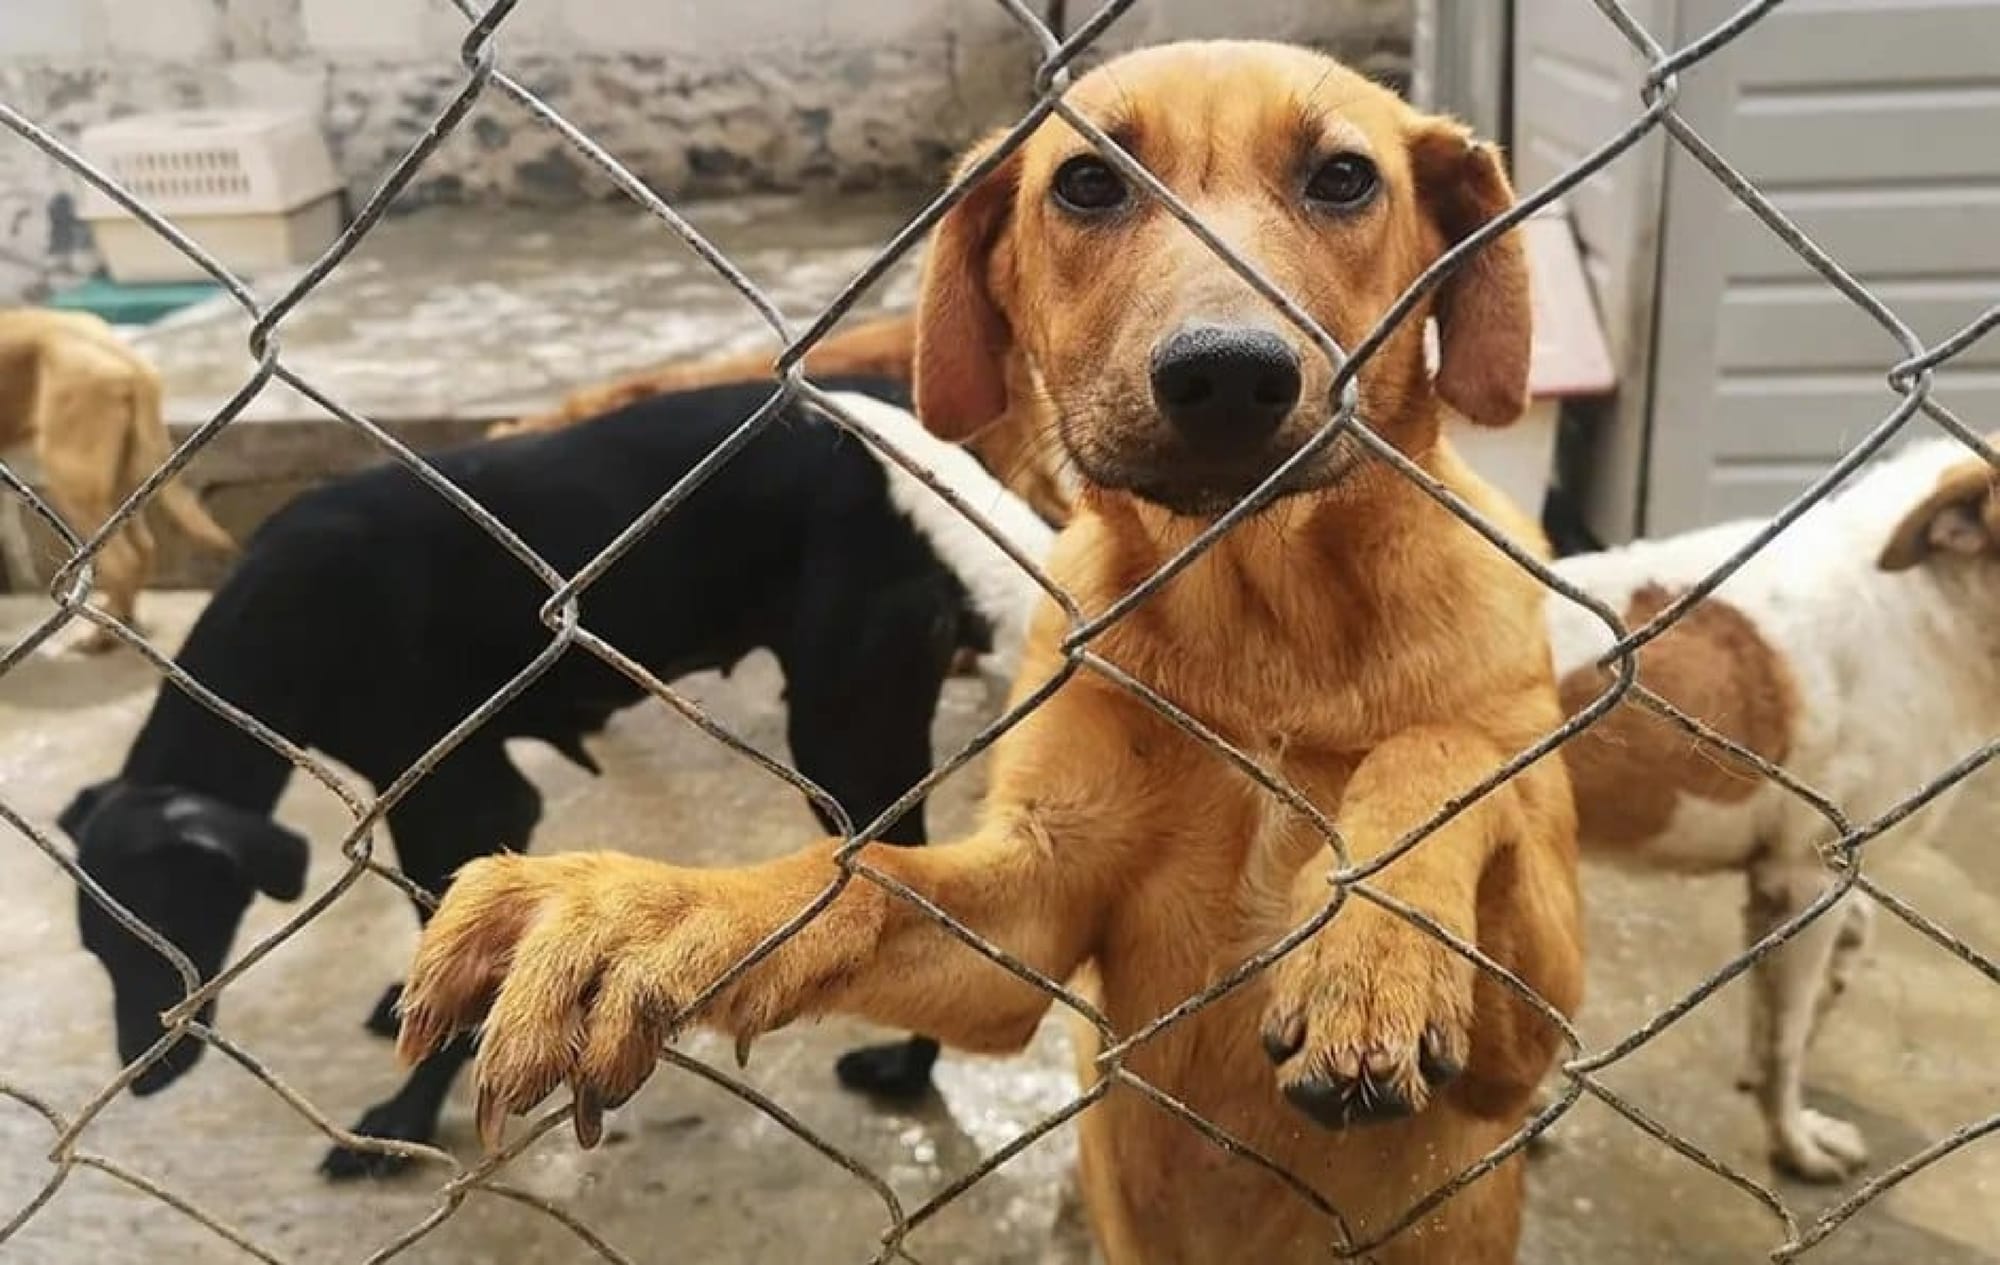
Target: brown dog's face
column 1166, row 375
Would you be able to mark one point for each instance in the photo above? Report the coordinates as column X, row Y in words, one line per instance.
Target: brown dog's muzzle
column 1225, row 389
column 1216, row 424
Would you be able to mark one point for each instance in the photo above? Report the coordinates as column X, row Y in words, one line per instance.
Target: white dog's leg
column 1758, row 919
column 1856, row 916
column 1857, row 928
column 1790, row 985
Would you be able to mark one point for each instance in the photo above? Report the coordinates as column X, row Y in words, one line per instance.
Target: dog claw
column 1380, row 1063
column 492, row 1117
column 743, row 1040
column 1435, row 1061
column 1341, row 1103
column 1282, row 1041
column 588, row 1115
column 418, row 1036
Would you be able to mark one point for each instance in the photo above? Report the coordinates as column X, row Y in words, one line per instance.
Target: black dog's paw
column 900, row 1071
column 383, row 1020
column 388, row 1120
column 343, row 1164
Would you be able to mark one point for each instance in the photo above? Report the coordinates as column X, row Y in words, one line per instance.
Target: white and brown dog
column 1786, row 658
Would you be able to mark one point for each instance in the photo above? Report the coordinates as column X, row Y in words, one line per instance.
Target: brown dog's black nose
column 1225, row 388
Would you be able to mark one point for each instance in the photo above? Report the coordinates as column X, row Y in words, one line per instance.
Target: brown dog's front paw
column 1368, row 1019
column 577, row 966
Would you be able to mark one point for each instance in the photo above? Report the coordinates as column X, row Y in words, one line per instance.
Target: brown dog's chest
column 1216, row 887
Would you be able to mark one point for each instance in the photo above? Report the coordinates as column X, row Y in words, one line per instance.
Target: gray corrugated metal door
column 1576, row 83
column 1875, row 124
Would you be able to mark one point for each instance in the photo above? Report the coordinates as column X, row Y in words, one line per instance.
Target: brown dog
column 1356, row 639
column 883, row 347
column 90, row 407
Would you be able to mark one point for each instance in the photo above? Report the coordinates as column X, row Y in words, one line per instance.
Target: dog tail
column 149, row 447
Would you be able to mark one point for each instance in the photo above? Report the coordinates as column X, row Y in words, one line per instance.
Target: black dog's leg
column 473, row 804
column 862, row 681
column 409, row 1115
column 383, row 1020
column 899, row 1071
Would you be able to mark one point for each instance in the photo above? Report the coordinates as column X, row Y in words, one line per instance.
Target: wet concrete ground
column 691, row 1175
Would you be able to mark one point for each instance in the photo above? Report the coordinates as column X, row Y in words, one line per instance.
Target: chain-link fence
column 1910, row 382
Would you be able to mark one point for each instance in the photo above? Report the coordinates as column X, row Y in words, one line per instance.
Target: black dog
column 370, row 616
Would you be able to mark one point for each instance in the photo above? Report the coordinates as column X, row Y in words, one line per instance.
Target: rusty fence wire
column 1909, row 382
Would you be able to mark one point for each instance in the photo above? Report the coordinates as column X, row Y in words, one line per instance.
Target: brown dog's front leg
column 580, row 965
column 1374, row 1014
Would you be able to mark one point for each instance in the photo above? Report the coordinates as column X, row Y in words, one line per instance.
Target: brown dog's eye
column 1088, row 183
column 1343, row 182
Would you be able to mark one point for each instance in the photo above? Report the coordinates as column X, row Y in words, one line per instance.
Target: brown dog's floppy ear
column 1482, row 310
column 962, row 336
column 1960, row 516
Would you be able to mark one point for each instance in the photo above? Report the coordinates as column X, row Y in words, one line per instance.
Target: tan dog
column 1356, row 638
column 90, row 407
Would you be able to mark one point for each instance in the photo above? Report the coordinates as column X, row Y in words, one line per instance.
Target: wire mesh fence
column 1910, row 383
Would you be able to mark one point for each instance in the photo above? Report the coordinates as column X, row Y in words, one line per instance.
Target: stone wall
column 699, row 97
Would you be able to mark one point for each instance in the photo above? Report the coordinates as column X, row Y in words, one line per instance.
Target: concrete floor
column 693, row 1176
